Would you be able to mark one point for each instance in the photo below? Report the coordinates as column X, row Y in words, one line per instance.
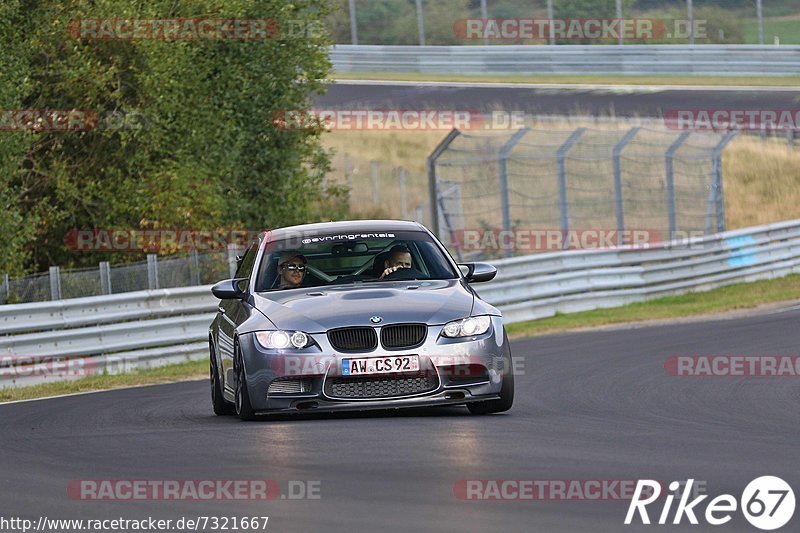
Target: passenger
column 292, row 269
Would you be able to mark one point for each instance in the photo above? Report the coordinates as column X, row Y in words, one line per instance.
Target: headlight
column 467, row 327
column 282, row 339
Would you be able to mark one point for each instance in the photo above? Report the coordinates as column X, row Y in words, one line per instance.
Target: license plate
column 380, row 365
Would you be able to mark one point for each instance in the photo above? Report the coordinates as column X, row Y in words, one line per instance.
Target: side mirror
column 478, row 272
column 229, row 289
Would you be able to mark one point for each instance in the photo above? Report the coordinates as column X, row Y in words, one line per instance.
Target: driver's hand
column 390, row 270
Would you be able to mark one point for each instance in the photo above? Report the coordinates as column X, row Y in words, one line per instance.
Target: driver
column 399, row 257
column 292, row 269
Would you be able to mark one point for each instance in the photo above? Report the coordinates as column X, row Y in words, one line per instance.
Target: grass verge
column 722, row 81
column 151, row 376
column 730, row 298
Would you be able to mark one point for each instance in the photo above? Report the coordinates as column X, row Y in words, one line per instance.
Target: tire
column 243, row 407
column 506, row 399
column 222, row 407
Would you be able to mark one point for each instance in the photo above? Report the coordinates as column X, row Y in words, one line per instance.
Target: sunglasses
column 292, row 266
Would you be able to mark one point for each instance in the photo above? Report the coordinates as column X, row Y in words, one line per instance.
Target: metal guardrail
column 751, row 60
column 538, row 286
column 150, row 328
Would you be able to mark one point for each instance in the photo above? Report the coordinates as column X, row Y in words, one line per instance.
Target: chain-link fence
column 401, row 22
column 378, row 190
column 155, row 273
column 660, row 184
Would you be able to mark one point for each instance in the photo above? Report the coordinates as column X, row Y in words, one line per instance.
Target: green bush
column 205, row 151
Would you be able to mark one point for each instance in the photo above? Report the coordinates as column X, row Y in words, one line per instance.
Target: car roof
column 362, row 226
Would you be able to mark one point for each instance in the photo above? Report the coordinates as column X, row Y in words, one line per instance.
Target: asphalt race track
column 615, row 101
column 593, row 405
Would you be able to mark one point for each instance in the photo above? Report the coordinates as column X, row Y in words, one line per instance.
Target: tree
column 185, row 136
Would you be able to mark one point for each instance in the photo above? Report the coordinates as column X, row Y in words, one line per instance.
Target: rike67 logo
column 767, row 503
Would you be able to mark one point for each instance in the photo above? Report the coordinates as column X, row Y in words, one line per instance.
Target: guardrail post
column 433, row 186
column 505, row 206
column 55, row 283
column 716, row 196
column 562, row 181
column 105, row 277
column 790, row 139
column 619, row 205
column 152, row 271
column 671, row 182
column 194, row 267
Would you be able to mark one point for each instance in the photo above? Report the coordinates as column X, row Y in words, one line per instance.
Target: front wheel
column 506, row 399
column 243, row 407
column 221, row 406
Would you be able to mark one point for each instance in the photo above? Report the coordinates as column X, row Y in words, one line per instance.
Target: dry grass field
column 761, row 177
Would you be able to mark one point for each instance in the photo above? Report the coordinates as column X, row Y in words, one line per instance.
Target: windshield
column 334, row 259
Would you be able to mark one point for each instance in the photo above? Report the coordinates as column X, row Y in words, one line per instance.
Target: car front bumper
column 461, row 371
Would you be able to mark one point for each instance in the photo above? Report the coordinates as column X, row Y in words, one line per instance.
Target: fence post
column 484, row 16
column 619, row 204
column 552, row 23
column 232, row 260
column 105, row 277
column 716, row 193
column 194, row 267
column 402, row 177
column 446, row 216
column 420, row 23
column 505, row 205
column 562, row 182
column 348, row 176
column 55, row 283
column 433, row 187
column 6, row 288
column 353, row 23
column 152, row 271
column 373, row 171
column 760, row 15
column 671, row 182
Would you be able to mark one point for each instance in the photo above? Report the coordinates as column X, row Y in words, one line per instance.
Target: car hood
column 316, row 310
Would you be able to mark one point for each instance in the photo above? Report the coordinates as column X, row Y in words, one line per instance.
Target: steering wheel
column 403, row 274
